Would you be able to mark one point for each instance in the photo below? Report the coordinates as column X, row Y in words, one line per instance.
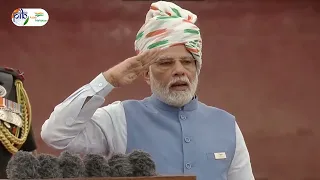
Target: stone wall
column 261, row 63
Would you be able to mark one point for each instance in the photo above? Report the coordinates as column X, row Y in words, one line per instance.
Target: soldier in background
column 15, row 117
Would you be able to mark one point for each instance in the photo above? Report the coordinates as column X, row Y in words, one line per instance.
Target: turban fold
column 166, row 25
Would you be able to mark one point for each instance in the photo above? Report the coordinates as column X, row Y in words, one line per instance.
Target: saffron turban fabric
column 166, row 25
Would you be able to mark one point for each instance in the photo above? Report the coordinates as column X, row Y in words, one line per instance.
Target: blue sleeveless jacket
column 193, row 140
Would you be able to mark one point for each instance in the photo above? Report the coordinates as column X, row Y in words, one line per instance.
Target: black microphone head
column 96, row 166
column 120, row 166
column 49, row 166
column 23, row 165
column 71, row 165
column 142, row 163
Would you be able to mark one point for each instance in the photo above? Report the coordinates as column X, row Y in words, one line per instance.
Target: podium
column 131, row 178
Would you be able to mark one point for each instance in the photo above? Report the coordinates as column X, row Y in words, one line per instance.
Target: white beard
column 171, row 97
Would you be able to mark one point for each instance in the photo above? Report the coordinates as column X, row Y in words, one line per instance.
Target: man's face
column 173, row 78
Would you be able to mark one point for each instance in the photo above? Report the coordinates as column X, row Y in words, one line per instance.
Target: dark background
column 261, row 63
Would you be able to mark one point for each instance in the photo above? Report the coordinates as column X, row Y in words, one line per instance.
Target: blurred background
column 261, row 62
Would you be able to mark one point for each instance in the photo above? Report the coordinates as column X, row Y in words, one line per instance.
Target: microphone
column 49, row 166
column 142, row 163
column 23, row 165
column 71, row 165
column 120, row 165
column 96, row 166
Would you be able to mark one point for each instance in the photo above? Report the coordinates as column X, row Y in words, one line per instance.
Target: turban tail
column 167, row 25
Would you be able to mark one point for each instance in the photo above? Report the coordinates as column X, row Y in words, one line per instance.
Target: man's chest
column 182, row 145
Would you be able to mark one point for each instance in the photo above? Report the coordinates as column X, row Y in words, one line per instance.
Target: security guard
column 15, row 117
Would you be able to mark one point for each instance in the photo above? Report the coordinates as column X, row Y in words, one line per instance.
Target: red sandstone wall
column 261, row 62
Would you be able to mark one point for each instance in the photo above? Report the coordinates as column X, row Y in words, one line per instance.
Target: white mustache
column 180, row 79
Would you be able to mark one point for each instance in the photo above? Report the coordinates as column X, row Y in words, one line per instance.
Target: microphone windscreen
column 120, row 166
column 71, row 165
column 96, row 166
column 23, row 165
column 142, row 163
column 49, row 166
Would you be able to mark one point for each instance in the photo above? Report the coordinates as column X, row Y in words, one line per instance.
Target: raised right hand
column 130, row 69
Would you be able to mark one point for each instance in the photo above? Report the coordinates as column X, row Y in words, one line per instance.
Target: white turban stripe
column 168, row 25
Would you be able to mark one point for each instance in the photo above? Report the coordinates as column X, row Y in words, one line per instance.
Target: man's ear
column 146, row 76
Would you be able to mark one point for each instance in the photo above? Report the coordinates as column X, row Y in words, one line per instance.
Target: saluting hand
column 130, row 69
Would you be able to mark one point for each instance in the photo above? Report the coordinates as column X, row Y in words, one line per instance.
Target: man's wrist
column 110, row 78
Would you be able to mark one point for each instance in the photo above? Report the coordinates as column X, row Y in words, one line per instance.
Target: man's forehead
column 171, row 57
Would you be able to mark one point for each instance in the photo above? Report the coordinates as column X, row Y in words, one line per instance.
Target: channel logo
column 29, row 17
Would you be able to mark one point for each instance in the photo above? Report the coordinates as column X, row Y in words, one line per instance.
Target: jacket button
column 183, row 117
column 188, row 166
column 187, row 140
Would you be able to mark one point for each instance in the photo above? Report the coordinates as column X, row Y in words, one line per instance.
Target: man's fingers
column 143, row 56
column 150, row 55
column 153, row 58
column 144, row 60
column 146, row 66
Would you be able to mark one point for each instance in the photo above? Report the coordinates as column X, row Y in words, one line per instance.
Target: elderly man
column 183, row 135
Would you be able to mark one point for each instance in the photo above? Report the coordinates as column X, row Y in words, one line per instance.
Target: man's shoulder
column 133, row 100
column 122, row 103
column 215, row 110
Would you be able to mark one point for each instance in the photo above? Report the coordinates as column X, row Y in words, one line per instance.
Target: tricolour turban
column 167, row 25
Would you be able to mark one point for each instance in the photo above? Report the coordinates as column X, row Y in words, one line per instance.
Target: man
column 183, row 135
column 12, row 137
